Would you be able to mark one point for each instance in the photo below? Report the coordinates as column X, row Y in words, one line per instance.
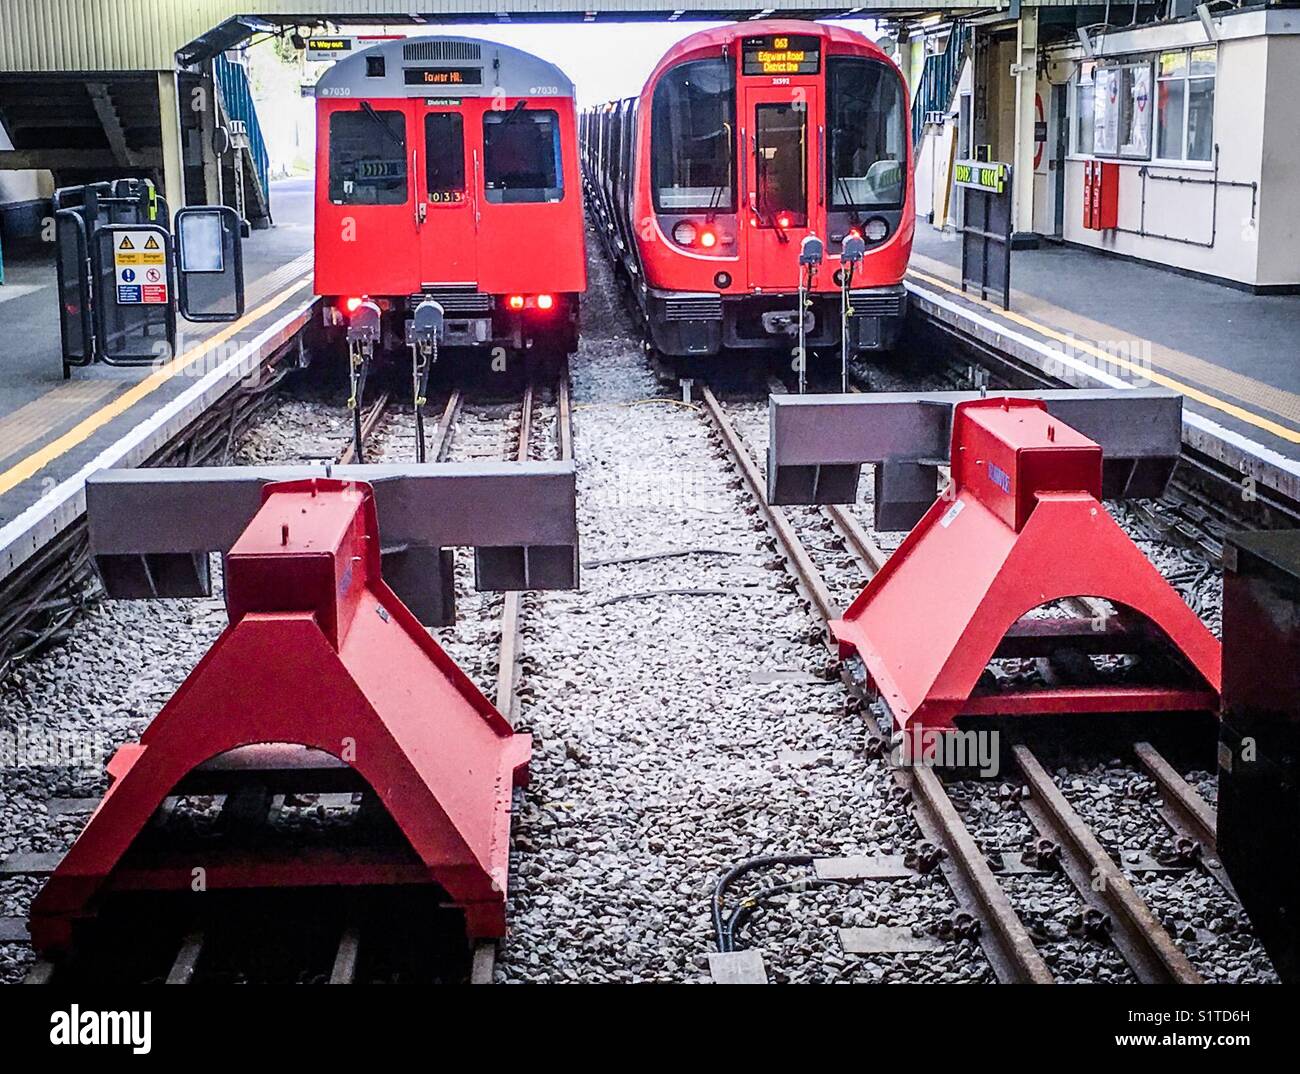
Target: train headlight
column 515, row 302
column 684, row 233
column 875, row 229
column 708, row 239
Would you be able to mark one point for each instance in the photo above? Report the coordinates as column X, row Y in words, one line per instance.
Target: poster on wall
column 1137, row 141
column 1105, row 138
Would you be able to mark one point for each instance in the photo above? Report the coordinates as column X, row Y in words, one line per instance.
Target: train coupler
column 1020, row 526
column 323, row 681
column 363, row 334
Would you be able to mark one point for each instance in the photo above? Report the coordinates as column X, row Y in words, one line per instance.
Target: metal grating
column 455, row 299
column 693, row 308
column 867, row 304
column 442, row 50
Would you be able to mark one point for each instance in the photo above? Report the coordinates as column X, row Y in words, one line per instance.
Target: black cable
column 737, row 871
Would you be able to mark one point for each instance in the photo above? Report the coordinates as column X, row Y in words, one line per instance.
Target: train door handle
column 421, row 212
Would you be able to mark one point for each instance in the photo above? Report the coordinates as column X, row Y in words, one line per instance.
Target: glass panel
column 1084, row 118
column 521, row 155
column 1170, row 96
column 444, row 156
column 1173, row 63
column 692, row 159
column 1203, row 61
column 868, row 135
column 1135, row 92
column 1106, row 111
column 368, row 158
column 782, row 167
column 1200, row 119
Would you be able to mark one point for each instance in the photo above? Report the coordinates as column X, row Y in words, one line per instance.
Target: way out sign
column 140, row 266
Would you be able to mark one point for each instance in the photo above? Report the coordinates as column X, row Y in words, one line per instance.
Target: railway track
column 220, row 950
column 1113, row 910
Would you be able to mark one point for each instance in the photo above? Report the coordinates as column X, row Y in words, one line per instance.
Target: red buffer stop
column 320, row 654
column 1020, row 526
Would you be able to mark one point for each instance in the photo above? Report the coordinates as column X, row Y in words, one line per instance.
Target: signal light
column 783, row 221
column 545, row 302
column 515, row 302
column 854, row 233
column 708, row 239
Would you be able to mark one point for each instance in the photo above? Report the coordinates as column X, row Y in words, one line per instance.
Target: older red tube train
column 447, row 168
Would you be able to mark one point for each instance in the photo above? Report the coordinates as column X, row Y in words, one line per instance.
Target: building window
column 1185, row 104
column 1084, row 116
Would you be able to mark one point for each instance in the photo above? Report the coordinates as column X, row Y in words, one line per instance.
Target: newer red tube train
column 745, row 140
column 447, row 168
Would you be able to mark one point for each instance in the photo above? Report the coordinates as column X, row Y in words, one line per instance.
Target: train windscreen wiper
column 369, row 110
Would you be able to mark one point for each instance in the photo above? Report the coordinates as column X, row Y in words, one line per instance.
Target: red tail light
column 515, row 302
column 352, row 304
column 545, row 302
column 708, row 238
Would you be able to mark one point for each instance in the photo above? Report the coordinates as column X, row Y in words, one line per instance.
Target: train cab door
column 366, row 212
column 446, row 212
column 781, row 178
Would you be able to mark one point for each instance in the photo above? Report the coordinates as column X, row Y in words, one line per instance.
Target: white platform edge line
column 235, row 368
column 1196, row 421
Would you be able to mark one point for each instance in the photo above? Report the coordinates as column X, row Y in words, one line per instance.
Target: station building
column 1184, row 117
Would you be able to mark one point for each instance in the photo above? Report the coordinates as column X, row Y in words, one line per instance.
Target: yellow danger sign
column 138, row 248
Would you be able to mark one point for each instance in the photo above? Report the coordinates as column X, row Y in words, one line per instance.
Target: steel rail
column 1005, row 940
column 1136, row 933
column 1134, row 930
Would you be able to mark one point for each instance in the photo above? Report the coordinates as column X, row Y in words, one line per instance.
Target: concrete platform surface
column 53, row 431
column 1096, row 319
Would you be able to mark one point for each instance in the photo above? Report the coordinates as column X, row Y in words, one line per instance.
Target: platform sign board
column 986, row 227
column 140, row 268
column 329, row 49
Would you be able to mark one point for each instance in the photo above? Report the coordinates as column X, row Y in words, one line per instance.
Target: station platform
column 54, row 432
column 1093, row 320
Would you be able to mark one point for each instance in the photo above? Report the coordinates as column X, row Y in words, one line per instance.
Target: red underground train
column 447, row 168
column 745, row 140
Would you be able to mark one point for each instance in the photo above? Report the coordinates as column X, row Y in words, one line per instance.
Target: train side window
column 692, row 158
column 521, row 156
column 868, row 135
column 368, row 157
column 444, row 156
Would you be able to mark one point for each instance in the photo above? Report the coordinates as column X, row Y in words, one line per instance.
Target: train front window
column 781, row 147
column 692, row 160
column 444, row 157
column 521, row 156
column 868, row 135
column 368, row 157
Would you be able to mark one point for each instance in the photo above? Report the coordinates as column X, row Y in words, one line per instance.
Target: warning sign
column 140, row 264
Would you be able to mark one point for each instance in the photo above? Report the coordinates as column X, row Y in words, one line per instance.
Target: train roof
column 718, row 36
column 435, row 65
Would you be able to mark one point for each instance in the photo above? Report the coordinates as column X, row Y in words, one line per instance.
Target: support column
column 1026, row 80
column 172, row 158
column 208, row 127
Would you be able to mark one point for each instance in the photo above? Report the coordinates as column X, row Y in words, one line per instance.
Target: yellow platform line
column 87, row 427
column 1240, row 413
